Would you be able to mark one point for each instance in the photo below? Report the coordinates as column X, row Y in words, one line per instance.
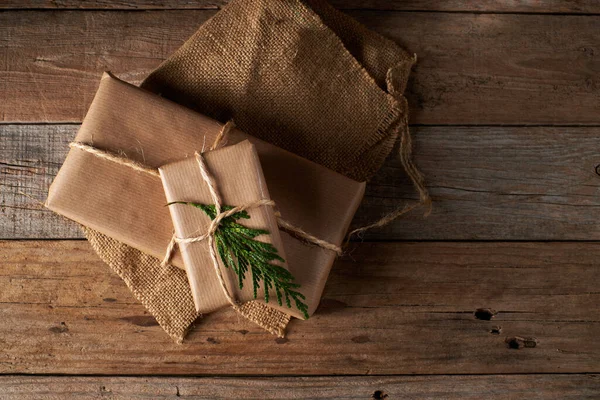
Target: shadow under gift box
column 129, row 206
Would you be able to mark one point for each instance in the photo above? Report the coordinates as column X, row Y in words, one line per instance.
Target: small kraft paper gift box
column 127, row 203
column 238, row 259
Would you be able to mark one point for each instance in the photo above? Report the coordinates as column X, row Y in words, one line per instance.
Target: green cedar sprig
column 240, row 251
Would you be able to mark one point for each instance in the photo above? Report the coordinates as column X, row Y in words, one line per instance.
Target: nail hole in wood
column 62, row 328
column 496, row 330
column 598, row 169
column 380, row 395
column 485, row 314
column 517, row 342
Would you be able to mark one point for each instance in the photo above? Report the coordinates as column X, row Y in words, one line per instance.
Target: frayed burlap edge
column 270, row 319
column 165, row 291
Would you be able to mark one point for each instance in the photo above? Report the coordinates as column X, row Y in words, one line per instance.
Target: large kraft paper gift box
column 129, row 206
column 297, row 74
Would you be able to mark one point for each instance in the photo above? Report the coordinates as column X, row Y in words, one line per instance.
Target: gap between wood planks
column 560, row 386
column 560, row 7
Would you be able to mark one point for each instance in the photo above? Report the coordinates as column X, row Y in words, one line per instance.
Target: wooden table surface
column 495, row 295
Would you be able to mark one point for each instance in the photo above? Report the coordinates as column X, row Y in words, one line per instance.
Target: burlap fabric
column 300, row 75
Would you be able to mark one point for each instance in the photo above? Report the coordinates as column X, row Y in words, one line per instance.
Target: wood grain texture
column 392, row 309
column 495, row 183
column 488, row 183
column 504, row 6
column 500, row 387
column 472, row 69
column 30, row 157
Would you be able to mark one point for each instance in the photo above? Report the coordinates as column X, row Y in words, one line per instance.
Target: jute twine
column 220, row 141
column 286, row 225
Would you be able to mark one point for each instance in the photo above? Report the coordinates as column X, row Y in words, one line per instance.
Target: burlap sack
column 300, row 75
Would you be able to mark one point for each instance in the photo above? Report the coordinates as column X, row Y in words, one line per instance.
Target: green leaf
column 239, row 250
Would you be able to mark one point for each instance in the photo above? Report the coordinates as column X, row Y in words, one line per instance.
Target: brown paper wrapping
column 129, row 206
column 239, row 180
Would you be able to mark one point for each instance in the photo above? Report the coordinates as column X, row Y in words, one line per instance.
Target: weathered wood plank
column 473, row 68
column 496, row 183
column 492, row 183
column 498, row 387
column 509, row 6
column 30, row 157
column 394, row 309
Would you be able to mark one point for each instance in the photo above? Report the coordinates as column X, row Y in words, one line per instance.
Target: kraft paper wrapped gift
column 239, row 180
column 129, row 206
